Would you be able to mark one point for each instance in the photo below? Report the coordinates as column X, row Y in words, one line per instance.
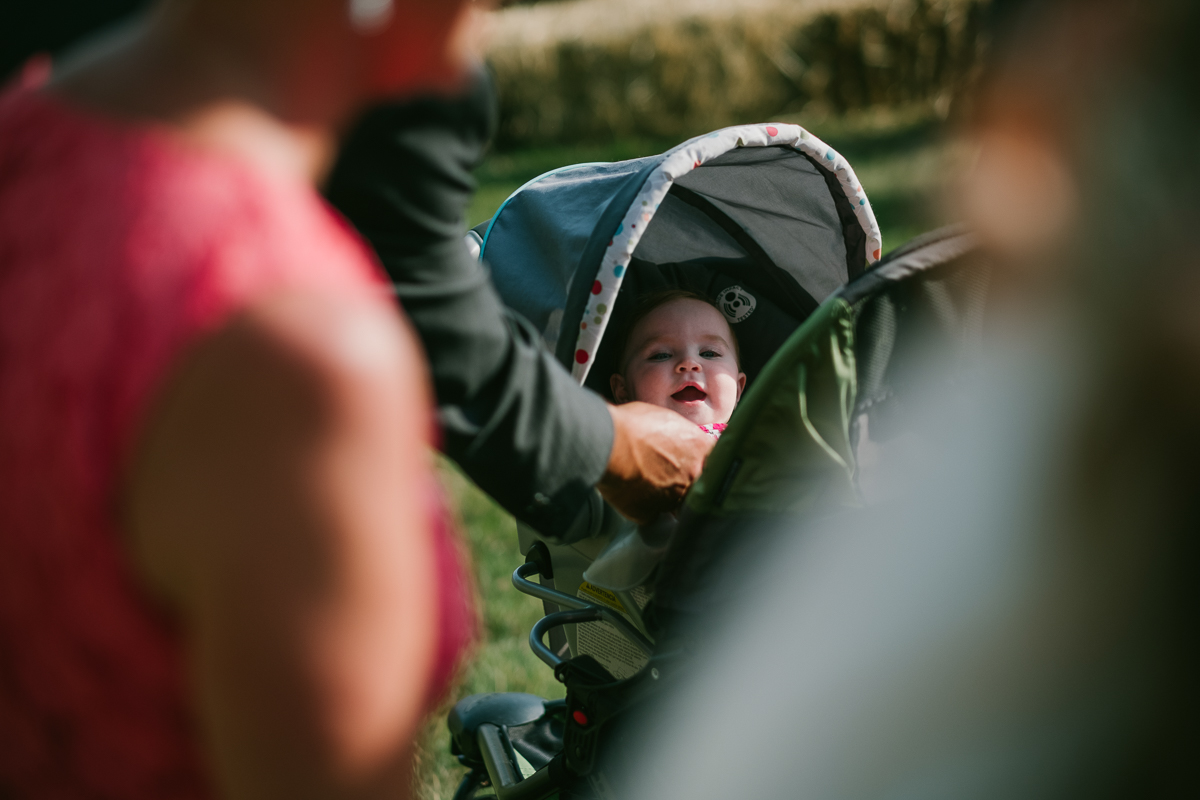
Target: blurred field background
column 598, row 70
column 896, row 131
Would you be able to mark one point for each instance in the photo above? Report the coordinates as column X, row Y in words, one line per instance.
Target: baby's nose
column 689, row 365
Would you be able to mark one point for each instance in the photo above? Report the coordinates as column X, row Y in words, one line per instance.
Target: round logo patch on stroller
column 736, row 304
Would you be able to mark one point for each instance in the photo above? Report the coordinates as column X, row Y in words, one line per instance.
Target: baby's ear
column 620, row 393
column 741, row 384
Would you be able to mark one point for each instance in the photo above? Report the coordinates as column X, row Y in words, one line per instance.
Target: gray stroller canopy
column 766, row 220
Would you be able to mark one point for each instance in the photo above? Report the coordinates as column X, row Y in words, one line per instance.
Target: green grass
column 903, row 164
column 503, row 661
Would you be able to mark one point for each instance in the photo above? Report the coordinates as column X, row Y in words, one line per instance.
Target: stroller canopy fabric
column 767, row 220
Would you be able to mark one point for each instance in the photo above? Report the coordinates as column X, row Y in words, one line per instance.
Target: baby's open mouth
column 689, row 394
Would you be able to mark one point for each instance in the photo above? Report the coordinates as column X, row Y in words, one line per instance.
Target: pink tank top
column 119, row 248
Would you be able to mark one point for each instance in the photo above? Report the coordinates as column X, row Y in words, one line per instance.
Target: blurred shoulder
column 249, row 222
column 334, row 339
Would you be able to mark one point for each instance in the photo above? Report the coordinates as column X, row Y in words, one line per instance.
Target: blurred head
column 1062, row 112
column 328, row 58
column 415, row 45
column 1085, row 185
column 681, row 354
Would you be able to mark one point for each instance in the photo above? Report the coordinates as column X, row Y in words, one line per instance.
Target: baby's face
column 680, row 356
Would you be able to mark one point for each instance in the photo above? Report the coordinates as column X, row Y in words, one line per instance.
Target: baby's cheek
column 727, row 389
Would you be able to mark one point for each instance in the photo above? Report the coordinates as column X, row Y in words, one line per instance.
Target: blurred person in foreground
column 1024, row 622
column 224, row 568
column 510, row 415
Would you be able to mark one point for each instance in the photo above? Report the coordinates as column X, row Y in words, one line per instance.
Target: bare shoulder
column 301, row 406
column 333, row 344
column 302, row 365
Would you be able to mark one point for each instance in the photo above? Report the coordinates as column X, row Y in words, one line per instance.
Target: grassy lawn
column 903, row 164
column 502, row 661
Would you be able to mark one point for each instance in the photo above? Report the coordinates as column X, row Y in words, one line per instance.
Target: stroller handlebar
column 580, row 611
column 520, row 579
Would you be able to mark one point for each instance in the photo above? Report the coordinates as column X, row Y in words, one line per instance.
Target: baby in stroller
column 764, row 221
column 681, row 353
column 749, row 229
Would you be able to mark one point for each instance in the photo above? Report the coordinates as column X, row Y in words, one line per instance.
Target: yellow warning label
column 590, row 591
column 603, row 641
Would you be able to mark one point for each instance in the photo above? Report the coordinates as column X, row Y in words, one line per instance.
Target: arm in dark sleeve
column 512, row 417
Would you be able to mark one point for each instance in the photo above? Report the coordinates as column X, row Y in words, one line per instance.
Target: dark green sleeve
column 512, row 417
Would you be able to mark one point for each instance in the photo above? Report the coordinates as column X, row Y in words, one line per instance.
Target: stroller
column 772, row 224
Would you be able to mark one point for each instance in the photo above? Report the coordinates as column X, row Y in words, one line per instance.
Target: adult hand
column 656, row 456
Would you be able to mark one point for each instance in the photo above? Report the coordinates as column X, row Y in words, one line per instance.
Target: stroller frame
column 480, row 733
column 485, row 727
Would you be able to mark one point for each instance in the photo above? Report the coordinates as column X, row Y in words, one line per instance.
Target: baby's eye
column 710, row 354
column 658, row 356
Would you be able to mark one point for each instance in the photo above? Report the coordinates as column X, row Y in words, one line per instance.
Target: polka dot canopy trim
column 677, row 163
